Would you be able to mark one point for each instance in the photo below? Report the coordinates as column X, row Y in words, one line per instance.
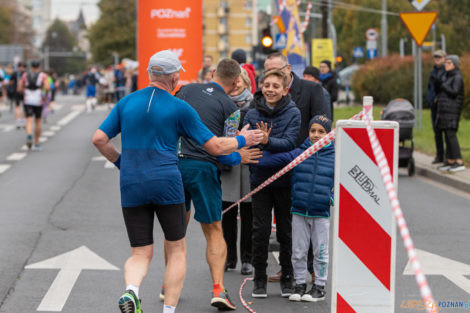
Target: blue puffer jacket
column 312, row 180
column 285, row 119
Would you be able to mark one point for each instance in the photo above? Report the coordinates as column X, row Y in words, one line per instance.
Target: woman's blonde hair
column 245, row 78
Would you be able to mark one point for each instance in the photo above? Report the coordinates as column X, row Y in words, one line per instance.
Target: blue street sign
column 358, row 52
column 280, row 41
column 372, row 53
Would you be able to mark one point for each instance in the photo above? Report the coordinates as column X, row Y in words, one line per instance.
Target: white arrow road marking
column 4, row 168
column 70, row 264
column 276, row 256
column 433, row 264
column 16, row 156
column 69, row 117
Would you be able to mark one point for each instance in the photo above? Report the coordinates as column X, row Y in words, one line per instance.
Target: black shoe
column 445, row 167
column 456, row 167
column 247, row 269
column 317, row 293
column 437, row 160
column 299, row 291
column 259, row 288
column 286, row 286
column 230, row 265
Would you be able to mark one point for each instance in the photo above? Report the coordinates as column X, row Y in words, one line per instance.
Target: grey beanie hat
column 454, row 58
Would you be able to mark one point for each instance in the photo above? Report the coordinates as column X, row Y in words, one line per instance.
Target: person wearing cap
column 449, row 106
column 329, row 81
column 312, row 184
column 239, row 55
column 200, row 170
column 150, row 122
column 312, row 74
column 31, row 85
column 435, row 78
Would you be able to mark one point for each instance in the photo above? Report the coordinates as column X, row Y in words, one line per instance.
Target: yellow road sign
column 418, row 24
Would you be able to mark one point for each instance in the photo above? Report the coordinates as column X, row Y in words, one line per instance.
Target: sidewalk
column 459, row 180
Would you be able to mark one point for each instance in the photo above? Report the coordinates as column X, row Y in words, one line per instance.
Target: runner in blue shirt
column 150, row 122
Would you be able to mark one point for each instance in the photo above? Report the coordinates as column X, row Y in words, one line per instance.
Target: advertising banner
column 175, row 25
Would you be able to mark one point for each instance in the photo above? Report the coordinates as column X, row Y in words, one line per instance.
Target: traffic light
column 267, row 41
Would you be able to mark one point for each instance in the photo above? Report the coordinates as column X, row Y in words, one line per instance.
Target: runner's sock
column 134, row 288
column 168, row 309
column 216, row 289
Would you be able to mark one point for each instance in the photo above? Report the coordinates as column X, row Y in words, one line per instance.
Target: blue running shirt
column 150, row 128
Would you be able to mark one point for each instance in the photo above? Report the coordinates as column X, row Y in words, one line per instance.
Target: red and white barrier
column 363, row 277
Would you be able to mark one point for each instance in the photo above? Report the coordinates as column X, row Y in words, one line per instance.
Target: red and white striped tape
column 241, row 297
column 393, row 198
column 305, row 155
column 307, row 18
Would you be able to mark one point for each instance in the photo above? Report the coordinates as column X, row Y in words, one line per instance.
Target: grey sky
column 67, row 10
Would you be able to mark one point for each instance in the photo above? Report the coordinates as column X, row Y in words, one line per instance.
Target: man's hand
column 263, row 127
column 250, row 156
column 252, row 137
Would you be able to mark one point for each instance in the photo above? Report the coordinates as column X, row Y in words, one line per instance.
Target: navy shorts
column 201, row 181
column 90, row 91
column 139, row 222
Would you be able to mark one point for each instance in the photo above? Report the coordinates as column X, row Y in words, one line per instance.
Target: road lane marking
column 4, row 168
column 6, row 127
column 276, row 256
column 48, row 133
column 108, row 164
column 69, row 117
column 98, row 158
column 70, row 265
column 42, row 139
column 16, row 156
column 55, row 128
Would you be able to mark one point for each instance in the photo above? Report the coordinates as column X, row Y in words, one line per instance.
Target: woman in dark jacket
column 449, row 107
column 329, row 82
column 277, row 115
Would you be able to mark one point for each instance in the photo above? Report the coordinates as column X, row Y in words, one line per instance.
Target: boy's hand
column 264, row 129
column 250, row 156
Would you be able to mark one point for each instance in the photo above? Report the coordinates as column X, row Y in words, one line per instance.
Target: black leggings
column 452, row 144
column 230, row 228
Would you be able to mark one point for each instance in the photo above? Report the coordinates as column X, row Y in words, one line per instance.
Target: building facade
column 41, row 20
column 229, row 25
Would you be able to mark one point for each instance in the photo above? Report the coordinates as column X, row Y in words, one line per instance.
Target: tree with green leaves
column 114, row 32
column 59, row 38
column 6, row 25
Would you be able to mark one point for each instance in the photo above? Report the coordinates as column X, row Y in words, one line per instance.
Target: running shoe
column 222, row 301
column 36, row 148
column 29, row 141
column 445, row 167
column 317, row 293
column 456, row 167
column 162, row 294
column 299, row 291
column 286, row 286
column 128, row 303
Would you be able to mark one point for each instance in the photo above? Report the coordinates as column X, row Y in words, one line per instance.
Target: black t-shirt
column 214, row 106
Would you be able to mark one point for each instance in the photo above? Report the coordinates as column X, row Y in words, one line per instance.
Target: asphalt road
column 66, row 198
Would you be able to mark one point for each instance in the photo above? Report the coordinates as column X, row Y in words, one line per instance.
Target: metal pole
column 433, row 37
column 402, row 47
column 420, row 88
column 332, row 28
column 46, row 58
column 384, row 28
column 415, row 87
column 443, row 42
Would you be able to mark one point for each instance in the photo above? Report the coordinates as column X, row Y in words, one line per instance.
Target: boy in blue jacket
column 312, row 185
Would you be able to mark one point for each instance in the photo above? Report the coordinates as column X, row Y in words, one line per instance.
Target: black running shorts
column 139, row 222
column 30, row 110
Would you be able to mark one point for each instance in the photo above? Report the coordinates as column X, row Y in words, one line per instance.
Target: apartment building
column 229, row 25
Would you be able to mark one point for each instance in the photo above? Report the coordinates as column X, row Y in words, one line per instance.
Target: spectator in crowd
column 449, row 106
column 312, row 184
column 235, row 184
column 312, row 74
column 278, row 117
column 109, row 87
column 207, row 65
column 119, row 82
column 239, row 55
column 308, row 97
column 437, row 73
column 329, row 81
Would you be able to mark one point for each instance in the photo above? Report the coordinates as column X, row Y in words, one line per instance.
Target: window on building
column 248, row 4
column 248, row 39
column 223, row 21
column 248, row 22
column 223, row 54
